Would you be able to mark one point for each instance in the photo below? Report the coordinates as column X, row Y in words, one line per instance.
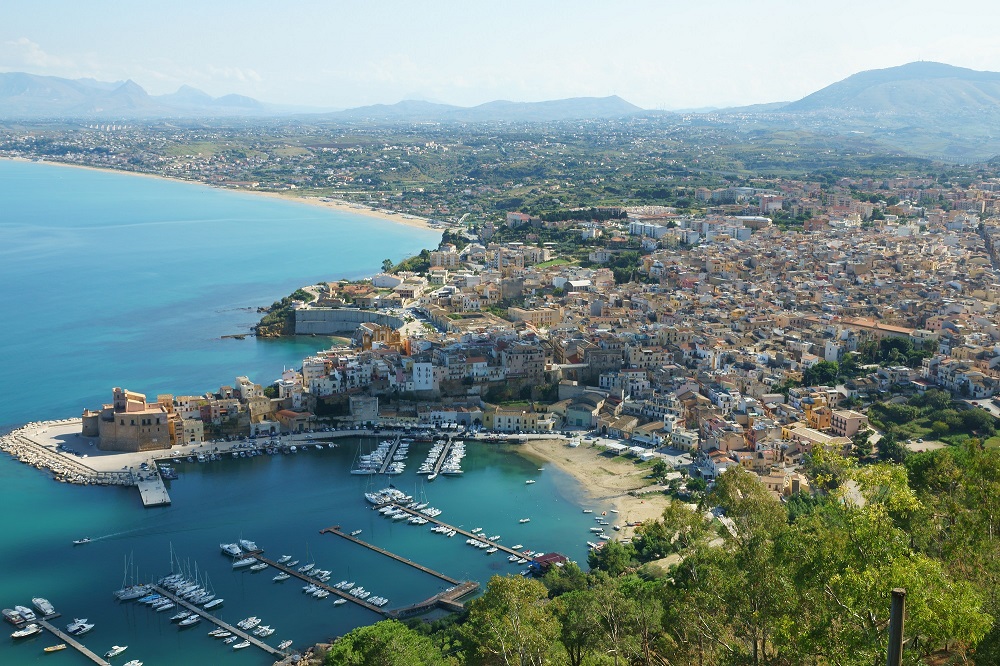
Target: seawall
column 331, row 321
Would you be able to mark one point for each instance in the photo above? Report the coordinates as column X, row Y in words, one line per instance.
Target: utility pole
column 895, row 654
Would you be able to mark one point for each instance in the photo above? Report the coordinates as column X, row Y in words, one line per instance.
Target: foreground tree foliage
column 387, row 643
column 756, row 581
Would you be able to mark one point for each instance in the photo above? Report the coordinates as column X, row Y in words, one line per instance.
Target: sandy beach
column 289, row 195
column 606, row 480
column 355, row 209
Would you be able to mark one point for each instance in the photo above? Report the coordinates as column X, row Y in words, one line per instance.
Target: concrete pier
column 152, row 490
column 448, row 599
column 388, row 457
column 205, row 615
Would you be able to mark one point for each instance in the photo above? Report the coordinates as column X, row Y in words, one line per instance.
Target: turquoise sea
column 114, row 280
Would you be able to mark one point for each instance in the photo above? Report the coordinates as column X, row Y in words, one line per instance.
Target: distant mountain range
column 32, row 96
column 576, row 108
column 922, row 108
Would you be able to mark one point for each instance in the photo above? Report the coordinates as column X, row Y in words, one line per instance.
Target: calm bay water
column 118, row 280
column 114, row 280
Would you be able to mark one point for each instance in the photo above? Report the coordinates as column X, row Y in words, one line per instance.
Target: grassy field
column 558, row 261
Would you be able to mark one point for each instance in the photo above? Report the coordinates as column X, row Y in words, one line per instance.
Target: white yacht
column 284, row 558
column 212, row 604
column 282, row 576
column 245, row 562
column 248, row 545
column 231, row 549
column 244, row 644
column 79, row 627
column 43, row 606
column 29, row 630
column 115, row 651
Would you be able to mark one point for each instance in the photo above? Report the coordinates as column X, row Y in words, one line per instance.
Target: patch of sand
column 604, row 479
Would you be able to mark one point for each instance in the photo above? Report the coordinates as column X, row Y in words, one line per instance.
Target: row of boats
column 452, row 464
column 360, row 593
column 378, row 461
column 21, row 614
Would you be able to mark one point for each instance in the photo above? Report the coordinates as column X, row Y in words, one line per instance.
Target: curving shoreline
column 610, row 482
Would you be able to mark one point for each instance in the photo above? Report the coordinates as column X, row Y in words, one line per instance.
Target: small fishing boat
column 55, row 648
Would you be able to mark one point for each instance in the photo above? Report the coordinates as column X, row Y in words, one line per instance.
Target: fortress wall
column 333, row 321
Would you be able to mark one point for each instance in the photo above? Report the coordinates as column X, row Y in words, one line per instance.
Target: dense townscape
column 798, row 343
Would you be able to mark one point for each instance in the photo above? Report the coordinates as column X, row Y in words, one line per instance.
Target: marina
column 448, row 599
column 236, row 631
column 392, row 453
column 304, row 575
column 441, row 458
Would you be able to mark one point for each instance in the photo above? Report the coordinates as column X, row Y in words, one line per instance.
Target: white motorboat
column 43, row 606
column 212, row 604
column 248, row 545
column 115, row 651
column 180, row 616
column 260, row 566
column 245, row 562
column 284, row 645
column 80, row 542
column 284, row 558
column 231, row 549
column 26, row 613
column 524, row 520
column 529, row 482
column 79, row 627
column 280, row 577
column 340, row 602
column 244, row 644
column 189, row 620
column 134, row 662
column 29, row 630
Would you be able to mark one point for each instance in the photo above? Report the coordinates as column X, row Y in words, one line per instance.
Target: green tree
column 386, row 643
column 821, row 374
column 614, row 558
column 579, row 632
column 659, row 468
column 511, row 624
column 387, row 265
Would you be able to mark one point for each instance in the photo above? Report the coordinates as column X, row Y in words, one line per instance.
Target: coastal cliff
column 279, row 318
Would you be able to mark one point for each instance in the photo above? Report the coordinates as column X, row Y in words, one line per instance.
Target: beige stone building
column 130, row 423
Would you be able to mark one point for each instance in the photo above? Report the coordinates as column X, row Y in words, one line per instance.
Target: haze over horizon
column 658, row 55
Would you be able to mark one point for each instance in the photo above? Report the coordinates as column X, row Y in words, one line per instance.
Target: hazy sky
column 658, row 54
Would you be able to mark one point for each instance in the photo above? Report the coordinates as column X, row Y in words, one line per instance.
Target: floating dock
column 69, row 640
column 383, row 551
column 448, row 599
column 309, row 579
column 274, row 652
column 389, row 456
column 442, row 457
column 458, row 530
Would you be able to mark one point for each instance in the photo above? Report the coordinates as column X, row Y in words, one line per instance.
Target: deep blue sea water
column 113, row 280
